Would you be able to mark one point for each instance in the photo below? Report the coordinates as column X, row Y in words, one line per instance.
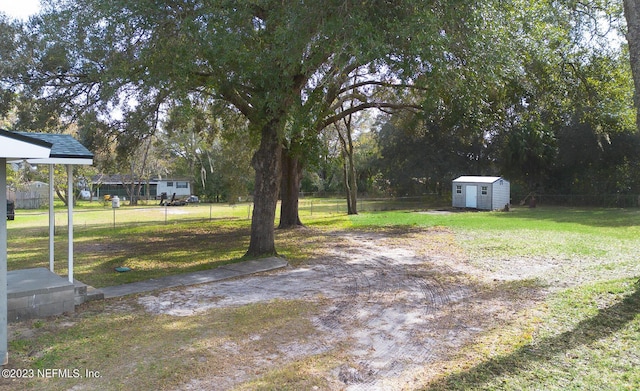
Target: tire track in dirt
column 387, row 304
column 386, row 307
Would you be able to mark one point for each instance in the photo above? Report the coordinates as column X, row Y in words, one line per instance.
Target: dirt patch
column 382, row 309
column 393, row 302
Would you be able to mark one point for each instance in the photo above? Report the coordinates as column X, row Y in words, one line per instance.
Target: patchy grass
column 150, row 249
column 581, row 339
column 604, row 238
column 586, row 336
column 306, row 374
column 130, row 349
column 622, row 223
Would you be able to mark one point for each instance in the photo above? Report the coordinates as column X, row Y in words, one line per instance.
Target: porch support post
column 70, row 198
column 52, row 220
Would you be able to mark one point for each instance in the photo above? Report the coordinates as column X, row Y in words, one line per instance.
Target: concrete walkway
column 221, row 273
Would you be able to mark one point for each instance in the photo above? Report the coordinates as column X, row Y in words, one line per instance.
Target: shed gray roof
column 477, row 179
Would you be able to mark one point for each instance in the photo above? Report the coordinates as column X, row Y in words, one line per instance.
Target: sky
column 20, row 9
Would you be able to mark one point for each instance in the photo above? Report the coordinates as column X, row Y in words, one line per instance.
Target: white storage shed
column 481, row 192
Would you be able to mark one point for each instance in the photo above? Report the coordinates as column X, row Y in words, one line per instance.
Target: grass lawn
column 586, row 338
column 152, row 241
column 584, row 334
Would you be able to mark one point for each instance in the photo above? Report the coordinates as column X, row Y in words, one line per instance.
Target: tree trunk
column 290, row 190
column 62, row 194
column 632, row 14
column 266, row 162
column 353, row 186
column 349, row 167
column 347, row 182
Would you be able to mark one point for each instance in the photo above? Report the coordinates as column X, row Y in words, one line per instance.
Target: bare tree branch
column 364, row 106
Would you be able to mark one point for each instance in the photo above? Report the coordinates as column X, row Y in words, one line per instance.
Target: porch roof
column 17, row 146
column 64, row 149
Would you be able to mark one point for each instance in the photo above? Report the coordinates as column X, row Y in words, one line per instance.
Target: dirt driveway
column 393, row 302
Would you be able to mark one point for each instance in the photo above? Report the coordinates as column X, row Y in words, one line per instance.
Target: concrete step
column 37, row 293
column 84, row 293
column 93, row 294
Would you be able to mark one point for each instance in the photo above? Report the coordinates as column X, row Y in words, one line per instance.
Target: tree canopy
column 492, row 82
column 275, row 62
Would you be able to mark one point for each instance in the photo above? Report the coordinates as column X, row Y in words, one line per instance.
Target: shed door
column 471, row 197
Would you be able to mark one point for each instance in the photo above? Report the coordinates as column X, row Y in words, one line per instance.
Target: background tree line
column 274, row 98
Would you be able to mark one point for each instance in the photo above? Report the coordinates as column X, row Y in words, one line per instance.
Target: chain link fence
column 104, row 215
column 579, row 200
column 100, row 214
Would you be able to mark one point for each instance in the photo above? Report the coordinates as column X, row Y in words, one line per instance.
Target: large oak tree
column 276, row 62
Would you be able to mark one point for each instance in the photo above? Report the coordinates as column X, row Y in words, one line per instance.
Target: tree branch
column 364, row 106
column 378, row 83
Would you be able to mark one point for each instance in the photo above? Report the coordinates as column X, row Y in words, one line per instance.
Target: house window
column 458, row 189
column 484, row 190
column 169, row 184
column 182, row 185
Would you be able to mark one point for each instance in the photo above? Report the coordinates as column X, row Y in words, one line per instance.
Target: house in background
column 179, row 187
column 115, row 185
column 481, row 192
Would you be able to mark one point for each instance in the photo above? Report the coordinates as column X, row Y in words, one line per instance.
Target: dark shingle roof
column 64, row 145
column 26, row 137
